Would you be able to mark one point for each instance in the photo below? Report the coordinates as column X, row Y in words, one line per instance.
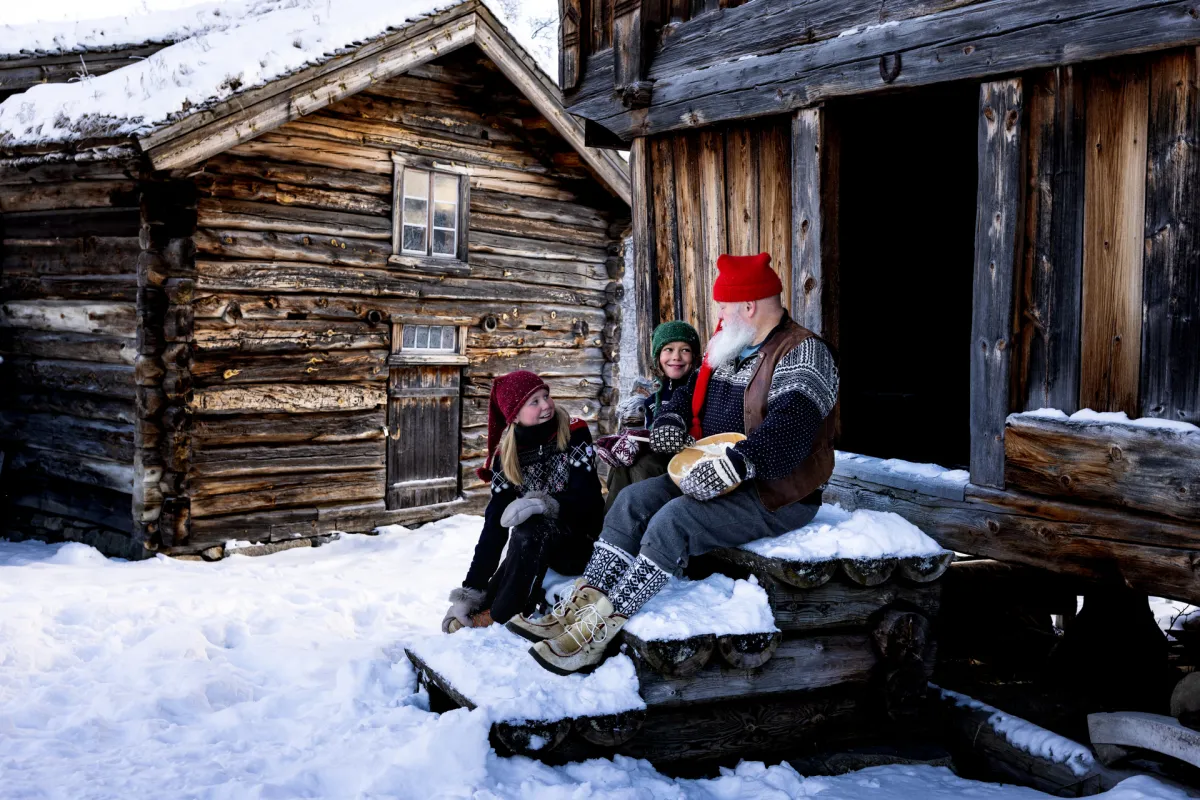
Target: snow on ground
column 229, row 47
column 273, row 678
column 837, row 533
column 1031, row 738
column 493, row 668
column 1112, row 418
column 1170, row 614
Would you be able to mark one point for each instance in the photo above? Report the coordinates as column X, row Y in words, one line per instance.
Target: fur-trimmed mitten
column 548, row 501
column 464, row 601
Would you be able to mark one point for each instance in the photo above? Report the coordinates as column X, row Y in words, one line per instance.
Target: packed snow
column 492, row 667
column 837, row 533
column 229, row 48
column 276, row 677
column 1031, row 738
column 717, row 605
column 1110, row 418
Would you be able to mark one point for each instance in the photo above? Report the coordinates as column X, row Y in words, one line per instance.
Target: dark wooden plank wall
column 721, row 190
column 19, row 74
column 599, row 14
column 72, row 357
column 294, row 297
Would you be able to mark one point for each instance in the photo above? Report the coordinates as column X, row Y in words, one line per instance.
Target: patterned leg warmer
column 607, row 565
column 643, row 580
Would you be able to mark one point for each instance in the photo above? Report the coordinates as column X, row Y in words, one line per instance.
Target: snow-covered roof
column 269, row 39
column 127, row 31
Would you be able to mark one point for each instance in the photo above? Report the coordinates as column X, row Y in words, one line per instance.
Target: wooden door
column 423, row 435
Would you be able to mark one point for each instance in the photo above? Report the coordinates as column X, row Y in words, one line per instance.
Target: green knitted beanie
column 675, row 331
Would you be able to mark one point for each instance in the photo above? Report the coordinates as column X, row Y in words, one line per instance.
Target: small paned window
column 430, row 219
column 429, row 339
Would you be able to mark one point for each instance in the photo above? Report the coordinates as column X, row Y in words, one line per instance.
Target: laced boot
column 585, row 643
column 561, row 616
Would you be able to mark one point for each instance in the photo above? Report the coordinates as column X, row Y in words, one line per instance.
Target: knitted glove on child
column 464, row 601
column 710, row 477
column 669, row 439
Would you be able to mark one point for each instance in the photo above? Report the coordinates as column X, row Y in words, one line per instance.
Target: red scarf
column 700, row 393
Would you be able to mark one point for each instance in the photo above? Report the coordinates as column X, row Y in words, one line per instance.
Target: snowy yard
column 278, row 677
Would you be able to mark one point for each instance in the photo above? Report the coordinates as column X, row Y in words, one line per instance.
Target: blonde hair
column 510, row 460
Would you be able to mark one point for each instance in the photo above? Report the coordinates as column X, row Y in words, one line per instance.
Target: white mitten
column 522, row 509
column 710, row 477
column 464, row 602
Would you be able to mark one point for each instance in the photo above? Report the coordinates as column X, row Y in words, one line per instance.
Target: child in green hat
column 675, row 355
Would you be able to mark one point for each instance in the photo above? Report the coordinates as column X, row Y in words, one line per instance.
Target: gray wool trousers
column 655, row 519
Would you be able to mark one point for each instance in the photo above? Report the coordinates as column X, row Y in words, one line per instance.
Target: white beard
column 726, row 344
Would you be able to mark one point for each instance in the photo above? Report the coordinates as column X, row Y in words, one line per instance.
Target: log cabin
column 987, row 207
column 269, row 307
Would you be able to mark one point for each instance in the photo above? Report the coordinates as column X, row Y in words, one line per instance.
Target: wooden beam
column 168, row 151
column 572, row 56
column 809, row 203
column 1152, row 555
column 1147, row 469
column 1049, row 323
column 972, row 42
column 631, row 26
column 997, row 244
column 644, row 250
column 518, row 67
column 1170, row 366
column 1114, row 230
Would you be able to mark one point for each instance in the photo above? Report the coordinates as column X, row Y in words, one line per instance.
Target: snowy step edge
column 864, row 572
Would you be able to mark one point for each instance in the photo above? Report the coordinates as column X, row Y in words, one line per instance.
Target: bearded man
column 763, row 375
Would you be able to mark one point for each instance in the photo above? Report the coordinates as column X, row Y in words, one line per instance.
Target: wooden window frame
column 400, row 357
column 430, row 264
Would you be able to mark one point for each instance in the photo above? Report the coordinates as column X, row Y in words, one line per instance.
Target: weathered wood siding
column 72, row 357
column 295, row 299
column 723, row 190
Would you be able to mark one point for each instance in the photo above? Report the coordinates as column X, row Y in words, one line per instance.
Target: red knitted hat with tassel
column 745, row 278
column 509, row 393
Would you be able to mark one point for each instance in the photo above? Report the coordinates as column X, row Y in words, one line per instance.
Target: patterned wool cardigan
column 568, row 475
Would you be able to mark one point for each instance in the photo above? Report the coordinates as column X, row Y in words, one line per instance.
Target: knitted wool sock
column 606, row 566
column 643, row 580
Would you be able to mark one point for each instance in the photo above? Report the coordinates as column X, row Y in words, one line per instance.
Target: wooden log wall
column 1109, row 288
column 73, row 359
column 294, row 298
column 714, row 191
column 21, row 73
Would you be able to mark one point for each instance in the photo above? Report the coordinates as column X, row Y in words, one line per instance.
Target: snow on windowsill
column 1089, row 417
column 837, row 533
column 1030, row 738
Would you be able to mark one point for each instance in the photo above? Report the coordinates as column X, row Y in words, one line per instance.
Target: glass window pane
column 414, row 239
column 416, row 212
column 410, row 336
column 445, row 188
column 443, row 242
column 444, row 216
column 416, row 183
column 435, row 337
column 448, row 337
column 422, row 337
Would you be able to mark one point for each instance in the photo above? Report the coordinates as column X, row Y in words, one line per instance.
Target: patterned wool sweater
column 803, row 391
column 567, row 475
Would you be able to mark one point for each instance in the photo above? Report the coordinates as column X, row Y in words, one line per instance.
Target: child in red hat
column 546, row 503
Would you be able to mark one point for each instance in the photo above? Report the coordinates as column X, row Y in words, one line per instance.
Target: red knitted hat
column 509, row 393
column 744, row 278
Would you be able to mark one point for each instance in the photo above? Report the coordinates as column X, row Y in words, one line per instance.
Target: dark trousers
column 648, row 465
column 655, row 519
column 533, row 546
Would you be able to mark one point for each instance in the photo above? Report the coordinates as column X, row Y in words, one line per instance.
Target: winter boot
column 586, row 642
column 561, row 616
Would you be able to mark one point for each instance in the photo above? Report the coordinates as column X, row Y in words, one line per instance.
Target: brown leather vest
column 813, row 471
